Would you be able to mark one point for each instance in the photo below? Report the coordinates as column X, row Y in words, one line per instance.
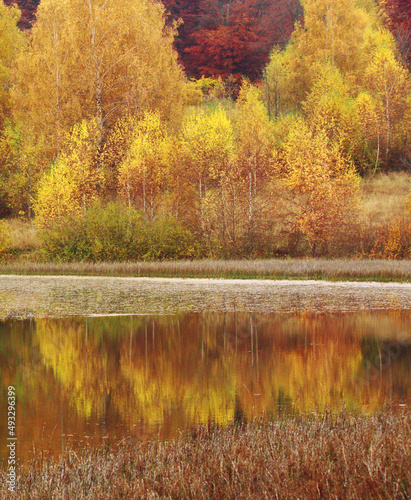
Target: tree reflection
column 175, row 371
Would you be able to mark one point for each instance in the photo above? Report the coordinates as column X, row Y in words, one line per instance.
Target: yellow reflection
column 179, row 370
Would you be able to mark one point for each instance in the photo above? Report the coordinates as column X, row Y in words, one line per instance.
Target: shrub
column 65, row 240
column 116, row 233
column 170, row 240
column 394, row 241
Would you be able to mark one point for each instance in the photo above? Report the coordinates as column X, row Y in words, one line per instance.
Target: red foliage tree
column 223, row 37
column 399, row 15
column 28, row 11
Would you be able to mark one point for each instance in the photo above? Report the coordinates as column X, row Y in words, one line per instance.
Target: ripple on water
column 62, row 296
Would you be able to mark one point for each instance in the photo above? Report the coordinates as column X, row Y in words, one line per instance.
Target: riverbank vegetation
column 116, row 156
column 317, row 269
column 316, row 456
column 115, row 234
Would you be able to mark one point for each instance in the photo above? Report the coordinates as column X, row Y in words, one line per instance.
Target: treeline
column 118, row 156
column 234, row 37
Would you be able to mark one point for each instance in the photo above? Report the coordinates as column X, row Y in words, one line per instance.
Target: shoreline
column 349, row 270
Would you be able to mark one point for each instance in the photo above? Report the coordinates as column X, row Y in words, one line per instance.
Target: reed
column 336, row 269
column 316, row 457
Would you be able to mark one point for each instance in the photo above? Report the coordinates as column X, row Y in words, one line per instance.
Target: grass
column 23, row 234
column 385, row 197
column 337, row 269
column 320, row 457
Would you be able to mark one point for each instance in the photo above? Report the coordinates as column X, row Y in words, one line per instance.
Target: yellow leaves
column 386, row 76
column 145, row 169
column 56, row 196
column 72, row 183
column 11, row 40
column 252, row 125
column 329, row 106
column 322, row 185
column 276, row 78
column 10, row 37
column 342, row 70
column 208, row 142
column 394, row 241
column 5, row 237
column 95, row 59
column 334, row 32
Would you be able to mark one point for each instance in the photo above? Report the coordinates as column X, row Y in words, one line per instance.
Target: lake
column 98, row 359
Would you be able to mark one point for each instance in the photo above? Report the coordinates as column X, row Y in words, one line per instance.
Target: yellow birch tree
column 144, row 170
column 321, row 185
column 253, row 130
column 207, row 148
column 72, row 183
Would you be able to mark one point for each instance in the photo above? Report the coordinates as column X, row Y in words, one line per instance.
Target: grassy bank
column 317, row 458
column 337, row 269
column 385, row 198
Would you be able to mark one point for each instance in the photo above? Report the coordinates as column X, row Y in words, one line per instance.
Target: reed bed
column 337, row 269
column 320, row 457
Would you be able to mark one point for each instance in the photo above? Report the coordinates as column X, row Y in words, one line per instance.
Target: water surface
column 96, row 359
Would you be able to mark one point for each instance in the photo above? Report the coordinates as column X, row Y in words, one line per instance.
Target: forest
column 140, row 130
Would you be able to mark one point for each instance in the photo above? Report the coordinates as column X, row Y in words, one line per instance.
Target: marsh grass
column 336, row 269
column 25, row 243
column 319, row 457
column 385, row 197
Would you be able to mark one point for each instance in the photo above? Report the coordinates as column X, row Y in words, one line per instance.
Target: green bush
column 115, row 233
column 169, row 240
column 65, row 241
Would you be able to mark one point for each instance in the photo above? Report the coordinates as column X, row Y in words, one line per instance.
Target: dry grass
column 23, row 233
column 336, row 269
column 385, row 197
column 344, row 457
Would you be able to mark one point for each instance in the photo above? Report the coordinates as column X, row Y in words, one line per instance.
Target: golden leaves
column 322, row 185
column 71, row 185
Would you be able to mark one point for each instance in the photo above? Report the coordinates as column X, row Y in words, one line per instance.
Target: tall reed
column 319, row 457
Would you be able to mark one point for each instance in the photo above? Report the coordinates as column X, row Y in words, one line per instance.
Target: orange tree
column 322, row 187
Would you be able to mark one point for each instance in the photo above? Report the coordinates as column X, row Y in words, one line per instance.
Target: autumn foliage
column 231, row 37
column 399, row 21
column 96, row 113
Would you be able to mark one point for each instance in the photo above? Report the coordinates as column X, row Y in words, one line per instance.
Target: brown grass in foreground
column 336, row 269
column 353, row 457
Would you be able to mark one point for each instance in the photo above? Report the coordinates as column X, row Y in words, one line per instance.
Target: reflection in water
column 102, row 376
